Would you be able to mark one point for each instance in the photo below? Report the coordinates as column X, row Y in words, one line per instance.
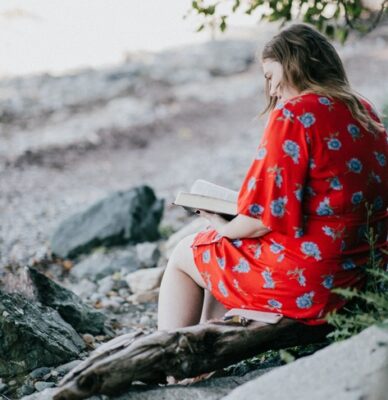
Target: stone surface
column 124, row 217
column 211, row 389
column 33, row 336
column 99, row 265
column 148, row 254
column 79, row 315
column 342, row 371
column 145, row 279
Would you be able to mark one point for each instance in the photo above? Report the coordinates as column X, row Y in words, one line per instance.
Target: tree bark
column 182, row 353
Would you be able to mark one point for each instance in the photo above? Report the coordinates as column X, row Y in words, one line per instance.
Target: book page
column 206, row 188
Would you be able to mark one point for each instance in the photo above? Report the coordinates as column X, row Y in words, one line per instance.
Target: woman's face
column 273, row 72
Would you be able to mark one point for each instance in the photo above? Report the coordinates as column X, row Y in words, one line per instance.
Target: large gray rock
column 32, row 336
column 347, row 370
column 80, row 316
column 124, row 217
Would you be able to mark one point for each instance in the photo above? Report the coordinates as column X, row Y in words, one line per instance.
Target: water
column 58, row 36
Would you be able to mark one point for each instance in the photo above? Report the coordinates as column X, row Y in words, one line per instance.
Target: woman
column 302, row 207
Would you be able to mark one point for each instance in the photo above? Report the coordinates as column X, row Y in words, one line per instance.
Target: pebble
column 65, row 368
column 3, row 387
column 88, row 339
column 26, row 390
column 39, row 373
column 40, row 385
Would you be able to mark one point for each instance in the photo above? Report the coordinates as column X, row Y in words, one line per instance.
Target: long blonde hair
column 311, row 64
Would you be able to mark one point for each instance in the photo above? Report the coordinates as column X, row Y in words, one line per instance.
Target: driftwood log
column 181, row 353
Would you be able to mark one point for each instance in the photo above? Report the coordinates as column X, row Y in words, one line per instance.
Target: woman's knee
column 182, row 258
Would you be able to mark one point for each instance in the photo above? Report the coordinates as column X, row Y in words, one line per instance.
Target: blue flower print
column 378, row 203
column 354, row 165
column 335, row 183
column 354, row 131
column 374, row 177
column 334, row 144
column 299, row 192
column 328, row 281
column 312, row 164
column 261, row 153
column 206, row 256
column 274, row 304
column 252, row 183
column 357, row 198
column 279, row 105
column 256, row 209
column 292, row 149
column 324, row 207
column 307, row 119
column 276, row 247
column 221, row 262
column 287, row 114
column 257, row 251
column 348, row 264
column 306, row 300
column 311, row 249
column 298, row 232
column 278, row 206
column 222, row 289
column 297, row 274
column 326, row 102
column 268, row 280
column 310, row 191
column 328, row 231
column 242, row 266
column 277, row 172
column 380, row 157
column 237, row 242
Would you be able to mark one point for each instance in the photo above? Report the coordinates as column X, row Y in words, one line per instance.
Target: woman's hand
column 215, row 220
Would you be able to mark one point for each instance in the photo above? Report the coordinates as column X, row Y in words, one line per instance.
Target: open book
column 261, row 316
column 210, row 197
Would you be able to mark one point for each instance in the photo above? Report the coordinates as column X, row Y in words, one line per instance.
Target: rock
column 343, row 371
column 105, row 285
column 39, row 386
column 144, row 297
column 212, row 389
column 148, row 254
column 39, row 373
column 3, row 387
column 84, row 288
column 65, row 368
column 197, row 225
column 145, row 279
column 36, row 336
column 46, row 394
column 26, row 390
column 79, row 315
column 99, row 265
column 125, row 217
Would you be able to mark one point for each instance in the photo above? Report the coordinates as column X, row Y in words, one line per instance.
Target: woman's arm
column 239, row 227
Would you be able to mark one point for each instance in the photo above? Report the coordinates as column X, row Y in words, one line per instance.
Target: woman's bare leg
column 181, row 291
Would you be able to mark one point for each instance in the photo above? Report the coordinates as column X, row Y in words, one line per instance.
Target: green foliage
column 334, row 18
column 367, row 306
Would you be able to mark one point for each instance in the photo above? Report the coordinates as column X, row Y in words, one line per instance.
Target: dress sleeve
column 272, row 189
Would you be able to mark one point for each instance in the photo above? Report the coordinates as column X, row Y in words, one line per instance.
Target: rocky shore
column 89, row 166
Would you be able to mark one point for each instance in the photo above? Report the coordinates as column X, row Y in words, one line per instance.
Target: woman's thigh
column 182, row 258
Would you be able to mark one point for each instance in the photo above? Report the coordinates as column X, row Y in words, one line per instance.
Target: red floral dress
column 314, row 173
